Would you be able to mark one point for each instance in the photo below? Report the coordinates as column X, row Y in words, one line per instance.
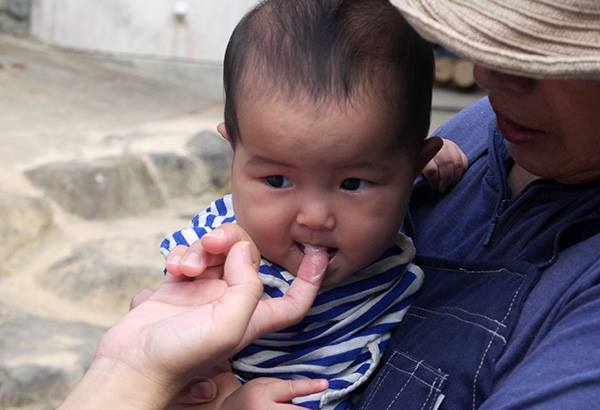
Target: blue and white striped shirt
column 345, row 332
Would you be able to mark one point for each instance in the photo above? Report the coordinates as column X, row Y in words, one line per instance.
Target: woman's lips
column 515, row 133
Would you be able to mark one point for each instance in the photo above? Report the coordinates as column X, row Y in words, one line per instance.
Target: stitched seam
column 479, row 368
column 476, row 272
column 415, row 315
column 403, row 387
column 382, row 377
column 431, row 388
column 461, row 269
column 474, row 314
column 489, row 345
column 435, row 396
column 442, row 380
column 413, row 376
column 436, row 372
column 432, row 401
column 493, row 332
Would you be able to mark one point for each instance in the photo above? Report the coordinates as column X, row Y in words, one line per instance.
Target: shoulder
column 470, row 127
column 554, row 353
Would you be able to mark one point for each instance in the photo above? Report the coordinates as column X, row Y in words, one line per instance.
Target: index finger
column 278, row 313
column 218, row 242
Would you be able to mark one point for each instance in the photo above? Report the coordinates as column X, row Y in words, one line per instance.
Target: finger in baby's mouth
column 308, row 249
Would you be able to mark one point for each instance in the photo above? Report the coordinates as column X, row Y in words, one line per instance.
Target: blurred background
column 107, row 142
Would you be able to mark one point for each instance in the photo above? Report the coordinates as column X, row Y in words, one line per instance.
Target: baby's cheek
column 375, row 238
column 265, row 230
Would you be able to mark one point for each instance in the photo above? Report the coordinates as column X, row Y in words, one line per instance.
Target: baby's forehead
column 364, row 121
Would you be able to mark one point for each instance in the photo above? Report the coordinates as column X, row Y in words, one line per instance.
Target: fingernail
column 176, row 259
column 203, row 391
column 246, row 252
column 217, row 233
column 323, row 384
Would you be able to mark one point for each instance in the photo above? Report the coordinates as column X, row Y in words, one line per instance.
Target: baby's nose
column 316, row 216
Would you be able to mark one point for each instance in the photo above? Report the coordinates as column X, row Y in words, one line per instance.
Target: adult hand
column 206, row 259
column 189, row 324
column 206, row 256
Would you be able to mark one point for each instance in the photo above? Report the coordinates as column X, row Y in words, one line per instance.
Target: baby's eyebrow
column 260, row 160
column 368, row 165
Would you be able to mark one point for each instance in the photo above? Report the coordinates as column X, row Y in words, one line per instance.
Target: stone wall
column 78, row 247
column 15, row 17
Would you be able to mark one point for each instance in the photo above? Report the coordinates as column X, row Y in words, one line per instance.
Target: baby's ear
column 431, row 146
column 223, row 132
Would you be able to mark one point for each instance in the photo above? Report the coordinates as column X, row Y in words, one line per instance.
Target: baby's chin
column 334, row 278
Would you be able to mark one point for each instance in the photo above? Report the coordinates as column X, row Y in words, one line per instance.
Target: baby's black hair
column 331, row 50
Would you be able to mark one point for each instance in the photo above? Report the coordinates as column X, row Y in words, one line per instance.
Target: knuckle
column 430, row 172
column 291, row 387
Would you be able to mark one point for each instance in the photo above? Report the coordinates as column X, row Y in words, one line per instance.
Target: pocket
column 404, row 380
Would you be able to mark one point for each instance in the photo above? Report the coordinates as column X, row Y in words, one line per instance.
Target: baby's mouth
column 308, row 249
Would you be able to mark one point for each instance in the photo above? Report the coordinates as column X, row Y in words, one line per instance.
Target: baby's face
column 324, row 176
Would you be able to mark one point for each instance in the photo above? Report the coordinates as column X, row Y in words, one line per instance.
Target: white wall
column 139, row 27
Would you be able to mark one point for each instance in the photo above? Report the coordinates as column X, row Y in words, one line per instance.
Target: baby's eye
column 278, row 181
column 353, row 184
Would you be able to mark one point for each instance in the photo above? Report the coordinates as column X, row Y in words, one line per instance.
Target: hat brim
column 486, row 36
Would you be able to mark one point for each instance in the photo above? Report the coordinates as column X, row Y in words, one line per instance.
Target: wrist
column 109, row 383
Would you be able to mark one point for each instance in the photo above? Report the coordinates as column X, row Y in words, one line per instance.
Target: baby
column 327, row 106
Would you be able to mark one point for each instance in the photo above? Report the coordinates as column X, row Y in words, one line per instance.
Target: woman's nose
column 316, row 215
column 492, row 80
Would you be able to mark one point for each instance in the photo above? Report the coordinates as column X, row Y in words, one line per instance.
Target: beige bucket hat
column 536, row 38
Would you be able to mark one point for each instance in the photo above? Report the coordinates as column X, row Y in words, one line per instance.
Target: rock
column 216, row 154
column 100, row 189
column 41, row 359
column 22, row 219
column 181, row 176
column 106, row 274
column 11, row 26
column 32, row 384
column 19, row 9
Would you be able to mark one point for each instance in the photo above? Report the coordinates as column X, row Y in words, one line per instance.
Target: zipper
column 504, row 197
column 502, row 206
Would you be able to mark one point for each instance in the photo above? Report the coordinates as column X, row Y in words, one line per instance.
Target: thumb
column 199, row 390
column 140, row 298
column 278, row 313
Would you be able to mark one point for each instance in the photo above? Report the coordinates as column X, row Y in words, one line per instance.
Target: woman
column 509, row 316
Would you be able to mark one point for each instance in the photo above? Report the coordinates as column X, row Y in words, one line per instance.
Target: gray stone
column 20, row 9
column 216, row 154
column 181, row 176
column 101, row 189
column 14, row 27
column 106, row 274
column 22, row 219
column 41, row 359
